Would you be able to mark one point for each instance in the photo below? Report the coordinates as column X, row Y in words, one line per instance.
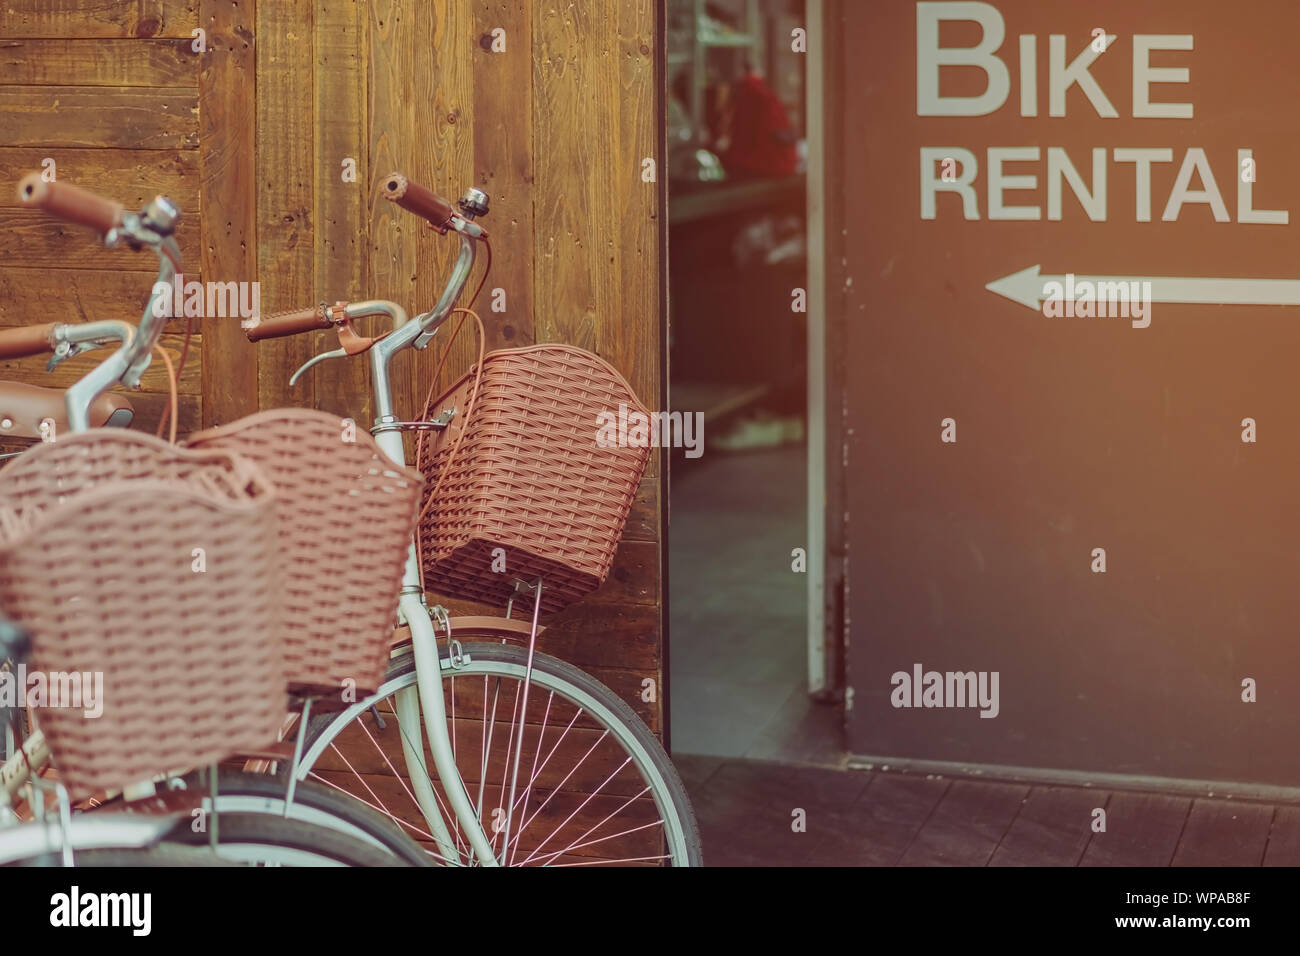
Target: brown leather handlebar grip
column 289, row 322
column 70, row 203
column 27, row 340
column 415, row 198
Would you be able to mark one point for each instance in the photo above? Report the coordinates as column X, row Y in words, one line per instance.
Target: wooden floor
column 747, row 812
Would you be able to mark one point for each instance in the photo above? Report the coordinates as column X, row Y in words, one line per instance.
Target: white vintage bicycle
column 489, row 753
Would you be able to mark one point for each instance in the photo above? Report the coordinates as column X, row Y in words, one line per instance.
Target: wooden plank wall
column 251, row 138
column 109, row 92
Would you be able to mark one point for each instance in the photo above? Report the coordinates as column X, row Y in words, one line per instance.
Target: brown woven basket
column 346, row 515
column 529, row 478
column 48, row 473
column 107, row 579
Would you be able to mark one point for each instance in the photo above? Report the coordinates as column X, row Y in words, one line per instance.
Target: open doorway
column 744, row 683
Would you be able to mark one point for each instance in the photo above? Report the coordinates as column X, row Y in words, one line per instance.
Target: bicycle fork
column 428, row 673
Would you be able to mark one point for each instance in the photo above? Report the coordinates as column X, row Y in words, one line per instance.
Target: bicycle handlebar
column 150, row 228
column 423, row 202
column 289, row 322
column 417, row 331
column 27, row 340
column 70, row 203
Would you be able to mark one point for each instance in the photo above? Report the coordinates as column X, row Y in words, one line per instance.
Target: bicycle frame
column 129, row 362
column 412, row 609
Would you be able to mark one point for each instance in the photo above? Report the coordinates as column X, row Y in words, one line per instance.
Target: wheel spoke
column 487, row 741
column 546, row 761
column 579, row 807
column 585, row 843
column 460, row 845
column 561, row 786
column 596, row 786
column 505, row 770
column 377, row 805
column 374, row 806
column 541, row 734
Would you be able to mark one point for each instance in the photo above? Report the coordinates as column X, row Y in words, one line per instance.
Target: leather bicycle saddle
column 23, row 407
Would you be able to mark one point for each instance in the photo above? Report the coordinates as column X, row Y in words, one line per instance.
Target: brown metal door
column 1098, row 510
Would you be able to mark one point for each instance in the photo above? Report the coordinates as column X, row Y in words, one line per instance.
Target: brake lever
column 315, row 360
column 65, row 350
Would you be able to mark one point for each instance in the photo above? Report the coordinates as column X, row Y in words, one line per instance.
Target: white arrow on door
column 1026, row 287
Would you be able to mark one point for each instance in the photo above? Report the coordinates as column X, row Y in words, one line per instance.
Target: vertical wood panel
column 444, row 161
column 227, row 145
column 575, row 150
column 286, row 253
column 503, row 164
column 341, row 123
column 420, row 90
column 392, row 110
column 596, row 285
column 401, row 106
column 630, row 337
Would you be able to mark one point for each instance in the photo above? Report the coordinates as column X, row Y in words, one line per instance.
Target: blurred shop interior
column 738, row 354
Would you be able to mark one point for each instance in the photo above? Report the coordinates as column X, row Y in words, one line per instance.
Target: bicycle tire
column 263, row 839
column 240, row 791
column 163, row 854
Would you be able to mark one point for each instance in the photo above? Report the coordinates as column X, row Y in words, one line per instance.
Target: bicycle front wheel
column 593, row 785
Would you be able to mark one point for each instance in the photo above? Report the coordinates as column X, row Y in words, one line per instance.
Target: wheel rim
column 248, row 803
column 587, row 792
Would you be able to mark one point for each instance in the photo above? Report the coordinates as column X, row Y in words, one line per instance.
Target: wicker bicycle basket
column 150, row 596
column 541, row 484
column 346, row 515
